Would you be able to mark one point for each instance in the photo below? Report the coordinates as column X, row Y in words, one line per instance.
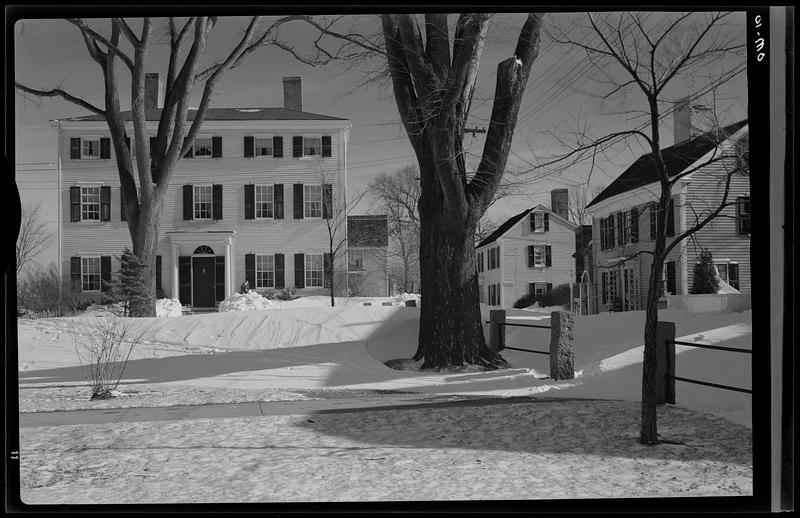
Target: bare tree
column 579, row 198
column 33, row 236
column 635, row 54
column 145, row 181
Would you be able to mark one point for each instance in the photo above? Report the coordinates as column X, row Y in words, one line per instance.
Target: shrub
column 526, row 300
column 130, row 284
column 704, row 278
column 103, row 352
column 558, row 296
column 37, row 292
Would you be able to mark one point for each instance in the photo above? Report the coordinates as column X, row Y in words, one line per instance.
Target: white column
column 175, row 285
column 228, row 267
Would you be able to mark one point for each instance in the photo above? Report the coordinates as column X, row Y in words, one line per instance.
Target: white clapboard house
column 247, row 202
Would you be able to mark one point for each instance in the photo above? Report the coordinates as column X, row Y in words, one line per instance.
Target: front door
column 203, row 282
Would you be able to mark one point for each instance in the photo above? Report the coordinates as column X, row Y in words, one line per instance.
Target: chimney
column 559, row 202
column 153, row 91
column 293, row 93
column 686, row 121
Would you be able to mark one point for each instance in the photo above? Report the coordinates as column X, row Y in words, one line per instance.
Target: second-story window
column 312, row 201
column 743, row 207
column 263, row 146
column 312, row 146
column 202, row 147
column 539, row 255
column 203, row 198
column 90, row 203
column 265, row 201
column 90, row 147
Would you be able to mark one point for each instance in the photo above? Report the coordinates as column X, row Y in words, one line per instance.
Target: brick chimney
column 687, row 121
column 153, row 91
column 559, row 202
column 293, row 93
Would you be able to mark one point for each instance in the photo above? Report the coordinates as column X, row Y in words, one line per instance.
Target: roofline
column 521, row 215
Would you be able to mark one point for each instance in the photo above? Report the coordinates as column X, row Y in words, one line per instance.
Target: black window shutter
column 743, row 214
column 75, row 273
column 249, row 147
column 216, row 201
column 326, row 145
column 216, row 147
column 603, row 287
column 531, row 256
column 298, row 201
column 671, row 277
column 185, row 279
column 278, row 196
column 153, row 145
column 188, row 204
column 634, row 225
column 277, row 147
column 327, row 270
column 280, row 278
column 219, row 277
column 671, row 218
column 75, row 148
column 159, row 289
column 533, row 222
column 105, row 203
column 105, row 272
column 297, row 147
column 299, row 270
column 327, row 201
column 123, row 216
column 548, row 256
column 74, row 203
column 128, row 142
column 620, row 228
column 250, row 270
column 652, row 221
column 249, row 201
column 549, row 290
column 733, row 275
column 531, row 288
column 546, row 222
column 611, row 232
column 105, row 147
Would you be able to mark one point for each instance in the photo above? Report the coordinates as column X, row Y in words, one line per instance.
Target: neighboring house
column 584, row 264
column 245, row 203
column 624, row 218
column 367, row 244
column 529, row 253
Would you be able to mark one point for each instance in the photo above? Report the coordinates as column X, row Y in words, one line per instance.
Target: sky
column 563, row 93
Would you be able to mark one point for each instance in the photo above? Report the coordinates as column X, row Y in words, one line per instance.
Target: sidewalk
column 263, row 408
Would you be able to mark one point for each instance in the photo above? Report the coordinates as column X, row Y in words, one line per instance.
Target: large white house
column 247, row 203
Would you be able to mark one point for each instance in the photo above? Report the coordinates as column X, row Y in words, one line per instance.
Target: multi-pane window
column 494, row 294
column 355, row 260
column 265, row 201
column 313, row 270
column 90, row 274
column 537, row 255
column 90, row 203
column 312, row 201
column 538, row 222
column 743, row 203
column 265, row 271
column 202, row 147
column 263, row 146
column 202, row 201
column 613, row 290
column 312, row 146
column 90, row 147
column 493, row 258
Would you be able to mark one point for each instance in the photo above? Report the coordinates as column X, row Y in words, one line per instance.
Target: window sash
column 313, row 270
column 312, row 146
column 265, row 271
column 90, row 203
column 263, row 146
column 538, row 220
column 202, row 147
column 90, row 148
column 312, row 201
column 265, row 201
column 90, row 274
column 539, row 257
column 203, row 201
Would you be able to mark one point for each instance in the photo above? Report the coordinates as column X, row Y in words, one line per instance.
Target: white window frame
column 359, row 263
column 309, row 205
column 268, row 138
column 544, row 256
column 196, row 147
column 196, row 202
column 263, row 271
column 84, row 274
column 312, row 137
column 90, row 138
column 538, row 221
column 268, row 200
column 539, row 289
column 85, row 204
column 311, row 262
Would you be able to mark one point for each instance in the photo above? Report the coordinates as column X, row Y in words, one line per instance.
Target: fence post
column 562, row 347
column 497, row 331
column 665, row 363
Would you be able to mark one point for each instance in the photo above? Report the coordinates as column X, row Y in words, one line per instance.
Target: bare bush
column 103, row 348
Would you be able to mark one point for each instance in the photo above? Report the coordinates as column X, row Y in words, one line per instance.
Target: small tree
column 33, row 238
column 704, row 279
column 130, row 286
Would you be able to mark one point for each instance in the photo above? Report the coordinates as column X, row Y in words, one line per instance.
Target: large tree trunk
column 145, row 233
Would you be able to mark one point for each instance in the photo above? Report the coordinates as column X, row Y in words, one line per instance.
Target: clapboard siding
column 233, row 171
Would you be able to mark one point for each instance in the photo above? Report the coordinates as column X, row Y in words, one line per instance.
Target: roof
column 505, row 227
column 676, row 158
column 225, row 114
column 368, row 231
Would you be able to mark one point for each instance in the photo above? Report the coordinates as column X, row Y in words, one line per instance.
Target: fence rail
column 717, row 347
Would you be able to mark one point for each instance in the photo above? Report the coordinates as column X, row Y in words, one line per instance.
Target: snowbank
column 168, row 308
column 246, row 302
column 725, row 288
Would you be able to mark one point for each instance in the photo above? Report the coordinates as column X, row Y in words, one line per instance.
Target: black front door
column 203, row 282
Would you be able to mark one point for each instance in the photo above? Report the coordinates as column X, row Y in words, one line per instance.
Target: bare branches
column 33, row 237
column 88, row 32
column 58, row 92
